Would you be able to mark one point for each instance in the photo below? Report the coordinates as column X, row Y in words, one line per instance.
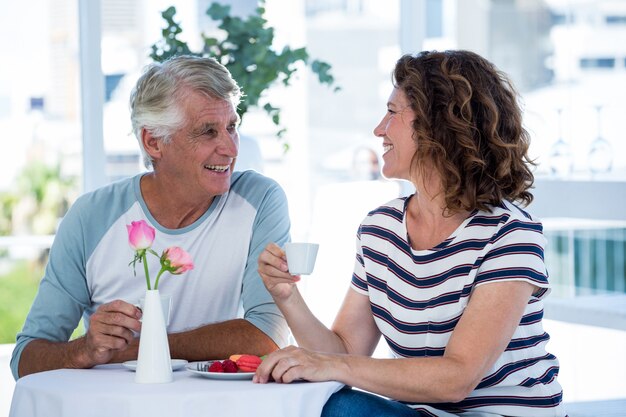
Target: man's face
column 201, row 156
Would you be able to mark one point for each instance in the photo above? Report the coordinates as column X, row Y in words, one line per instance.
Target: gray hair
column 155, row 102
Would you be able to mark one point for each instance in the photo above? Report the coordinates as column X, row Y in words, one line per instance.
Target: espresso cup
column 301, row 257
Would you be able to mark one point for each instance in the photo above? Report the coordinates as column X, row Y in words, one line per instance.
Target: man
column 183, row 114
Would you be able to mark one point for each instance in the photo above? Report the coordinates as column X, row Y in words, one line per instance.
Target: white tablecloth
column 110, row 390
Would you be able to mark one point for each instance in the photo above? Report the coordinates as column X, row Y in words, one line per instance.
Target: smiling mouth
column 387, row 148
column 217, row 168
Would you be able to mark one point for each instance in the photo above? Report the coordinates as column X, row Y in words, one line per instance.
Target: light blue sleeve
column 271, row 224
column 62, row 295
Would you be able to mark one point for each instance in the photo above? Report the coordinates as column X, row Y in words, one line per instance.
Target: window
column 40, row 124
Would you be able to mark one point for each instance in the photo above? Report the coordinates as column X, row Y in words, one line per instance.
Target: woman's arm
column 483, row 332
column 354, row 330
column 480, row 337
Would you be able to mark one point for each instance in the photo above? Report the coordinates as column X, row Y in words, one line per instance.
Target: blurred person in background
column 365, row 164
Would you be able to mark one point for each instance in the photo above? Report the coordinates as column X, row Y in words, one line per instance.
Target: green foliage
column 40, row 197
column 18, row 287
column 8, row 201
column 247, row 51
column 37, row 178
column 17, row 291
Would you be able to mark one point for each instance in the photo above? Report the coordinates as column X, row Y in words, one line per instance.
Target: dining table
column 111, row 390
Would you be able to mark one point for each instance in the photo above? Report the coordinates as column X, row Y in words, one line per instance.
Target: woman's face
column 396, row 130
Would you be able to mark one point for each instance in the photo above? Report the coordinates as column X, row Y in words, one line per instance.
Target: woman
column 452, row 276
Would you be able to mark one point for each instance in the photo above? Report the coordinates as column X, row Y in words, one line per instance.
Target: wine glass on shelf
column 600, row 156
column 560, row 157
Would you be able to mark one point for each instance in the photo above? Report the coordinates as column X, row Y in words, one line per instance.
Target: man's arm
column 271, row 224
column 221, row 340
column 43, row 355
column 110, row 331
column 213, row 341
column 59, row 304
column 63, row 296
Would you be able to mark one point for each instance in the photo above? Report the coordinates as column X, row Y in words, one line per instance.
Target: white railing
column 27, row 241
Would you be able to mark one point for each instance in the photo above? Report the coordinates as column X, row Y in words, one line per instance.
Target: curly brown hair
column 468, row 126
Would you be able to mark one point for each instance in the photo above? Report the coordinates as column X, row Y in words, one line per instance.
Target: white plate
column 193, row 368
column 176, row 364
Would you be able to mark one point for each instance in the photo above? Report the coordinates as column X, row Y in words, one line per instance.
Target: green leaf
column 169, row 13
column 322, row 69
column 217, row 11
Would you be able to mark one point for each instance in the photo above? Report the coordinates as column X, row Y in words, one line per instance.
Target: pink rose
column 173, row 260
column 140, row 235
column 177, row 259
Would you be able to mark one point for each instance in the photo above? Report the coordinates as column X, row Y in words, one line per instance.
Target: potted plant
column 247, row 51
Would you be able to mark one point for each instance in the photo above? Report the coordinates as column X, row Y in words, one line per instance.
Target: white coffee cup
column 166, row 305
column 301, row 257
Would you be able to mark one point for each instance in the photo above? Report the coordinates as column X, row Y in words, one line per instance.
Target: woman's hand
column 274, row 271
column 294, row 364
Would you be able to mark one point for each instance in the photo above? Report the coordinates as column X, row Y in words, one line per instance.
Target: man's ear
column 152, row 145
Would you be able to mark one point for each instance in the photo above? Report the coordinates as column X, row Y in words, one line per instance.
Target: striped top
column 418, row 296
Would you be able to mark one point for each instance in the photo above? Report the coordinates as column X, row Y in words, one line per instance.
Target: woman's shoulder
column 393, row 209
column 506, row 219
column 508, row 211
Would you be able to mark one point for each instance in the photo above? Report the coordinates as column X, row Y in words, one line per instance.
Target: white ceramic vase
column 154, row 365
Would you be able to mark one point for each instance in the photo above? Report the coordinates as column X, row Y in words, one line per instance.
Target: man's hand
column 110, row 330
